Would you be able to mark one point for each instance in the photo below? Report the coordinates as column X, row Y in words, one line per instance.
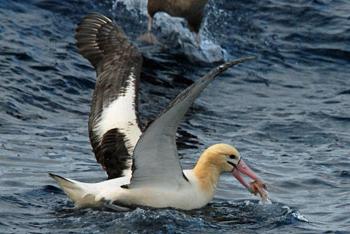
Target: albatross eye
column 232, row 156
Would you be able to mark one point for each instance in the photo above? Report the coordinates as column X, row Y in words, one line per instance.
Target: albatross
column 191, row 10
column 143, row 166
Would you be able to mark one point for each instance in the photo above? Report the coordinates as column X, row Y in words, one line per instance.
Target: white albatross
column 157, row 179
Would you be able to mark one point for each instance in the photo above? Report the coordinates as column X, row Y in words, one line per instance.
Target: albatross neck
column 207, row 174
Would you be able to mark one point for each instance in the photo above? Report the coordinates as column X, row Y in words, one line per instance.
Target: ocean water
column 288, row 112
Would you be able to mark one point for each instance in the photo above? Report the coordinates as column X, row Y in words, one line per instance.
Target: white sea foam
column 174, row 33
column 132, row 4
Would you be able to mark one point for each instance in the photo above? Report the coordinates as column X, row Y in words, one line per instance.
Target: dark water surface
column 288, row 113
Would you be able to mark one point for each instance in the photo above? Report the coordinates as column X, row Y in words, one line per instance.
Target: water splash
column 265, row 201
column 131, row 5
column 174, row 34
column 296, row 214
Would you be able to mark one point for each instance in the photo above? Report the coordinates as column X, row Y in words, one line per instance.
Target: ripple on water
column 240, row 216
column 218, row 215
column 287, row 111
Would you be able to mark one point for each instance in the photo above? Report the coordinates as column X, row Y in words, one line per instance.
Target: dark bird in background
column 191, row 10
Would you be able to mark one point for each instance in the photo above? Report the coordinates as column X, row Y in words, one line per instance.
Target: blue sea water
column 288, row 113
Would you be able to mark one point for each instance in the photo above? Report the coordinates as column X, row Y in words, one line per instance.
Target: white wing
column 155, row 158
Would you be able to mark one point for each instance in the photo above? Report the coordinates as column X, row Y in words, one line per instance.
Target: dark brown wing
column 113, row 122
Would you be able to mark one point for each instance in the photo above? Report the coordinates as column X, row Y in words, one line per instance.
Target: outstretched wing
column 155, row 159
column 113, row 122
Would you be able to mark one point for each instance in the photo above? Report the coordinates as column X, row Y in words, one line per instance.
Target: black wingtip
column 92, row 35
column 55, row 177
column 231, row 63
column 96, row 16
column 223, row 67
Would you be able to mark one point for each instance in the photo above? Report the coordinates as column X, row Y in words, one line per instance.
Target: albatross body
column 143, row 166
column 190, row 10
column 193, row 190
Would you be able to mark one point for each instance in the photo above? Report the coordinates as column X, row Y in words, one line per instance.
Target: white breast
column 187, row 197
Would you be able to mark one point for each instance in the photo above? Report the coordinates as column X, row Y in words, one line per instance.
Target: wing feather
column 113, row 121
column 155, row 158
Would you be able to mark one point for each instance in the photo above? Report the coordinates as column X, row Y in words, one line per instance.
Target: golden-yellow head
column 222, row 156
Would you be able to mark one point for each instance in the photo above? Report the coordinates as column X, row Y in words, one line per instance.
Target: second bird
column 191, row 10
